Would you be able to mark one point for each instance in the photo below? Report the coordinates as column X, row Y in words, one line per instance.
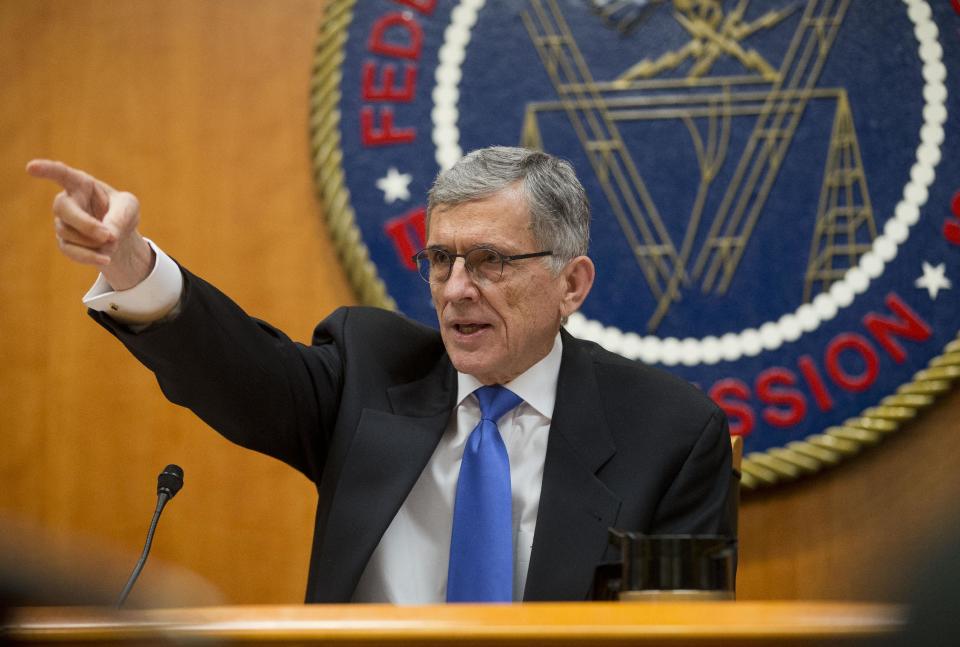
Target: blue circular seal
column 776, row 214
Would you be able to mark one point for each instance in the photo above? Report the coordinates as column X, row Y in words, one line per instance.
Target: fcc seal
column 775, row 185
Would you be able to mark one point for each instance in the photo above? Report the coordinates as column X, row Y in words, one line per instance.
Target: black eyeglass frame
column 504, row 259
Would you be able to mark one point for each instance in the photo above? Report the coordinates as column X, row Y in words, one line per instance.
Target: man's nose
column 460, row 286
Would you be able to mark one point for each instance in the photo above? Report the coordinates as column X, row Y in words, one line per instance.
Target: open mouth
column 470, row 328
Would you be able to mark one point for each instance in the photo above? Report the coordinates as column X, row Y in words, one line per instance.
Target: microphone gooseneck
column 169, row 483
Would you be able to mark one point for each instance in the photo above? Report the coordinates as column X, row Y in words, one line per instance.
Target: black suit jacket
column 361, row 409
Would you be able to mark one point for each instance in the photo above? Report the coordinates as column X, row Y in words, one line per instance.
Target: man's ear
column 577, row 278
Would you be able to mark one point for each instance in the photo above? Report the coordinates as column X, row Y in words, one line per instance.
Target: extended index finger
column 71, row 179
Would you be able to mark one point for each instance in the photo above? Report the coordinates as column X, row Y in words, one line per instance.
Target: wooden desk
column 556, row 625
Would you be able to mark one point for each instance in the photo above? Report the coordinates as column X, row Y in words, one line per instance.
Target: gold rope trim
column 836, row 444
column 759, row 469
column 327, row 156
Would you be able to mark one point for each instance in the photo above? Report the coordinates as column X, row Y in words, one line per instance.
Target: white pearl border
column 791, row 326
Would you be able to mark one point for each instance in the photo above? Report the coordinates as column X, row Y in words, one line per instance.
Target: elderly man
column 483, row 463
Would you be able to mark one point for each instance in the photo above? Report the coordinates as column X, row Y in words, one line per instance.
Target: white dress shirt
column 409, row 566
column 154, row 298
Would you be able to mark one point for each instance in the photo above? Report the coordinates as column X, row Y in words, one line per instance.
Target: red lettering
column 386, row 134
column 739, row 413
column 820, row 394
column 378, row 43
column 910, row 325
column 951, row 228
column 408, row 233
column 423, row 6
column 770, row 391
column 859, row 344
column 388, row 91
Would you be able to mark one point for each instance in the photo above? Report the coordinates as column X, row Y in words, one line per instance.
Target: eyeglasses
column 484, row 265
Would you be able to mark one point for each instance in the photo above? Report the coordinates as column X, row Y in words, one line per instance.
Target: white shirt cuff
column 152, row 299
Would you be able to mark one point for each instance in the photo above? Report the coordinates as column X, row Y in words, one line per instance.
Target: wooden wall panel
column 861, row 530
column 200, row 108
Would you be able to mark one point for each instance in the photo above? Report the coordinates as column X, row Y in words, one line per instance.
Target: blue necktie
column 481, row 544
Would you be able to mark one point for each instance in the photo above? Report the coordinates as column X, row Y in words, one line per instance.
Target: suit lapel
column 388, row 452
column 576, row 508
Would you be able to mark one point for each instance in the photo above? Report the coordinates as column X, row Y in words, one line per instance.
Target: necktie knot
column 495, row 401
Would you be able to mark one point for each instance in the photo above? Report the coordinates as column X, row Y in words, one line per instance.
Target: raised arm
column 97, row 225
column 246, row 379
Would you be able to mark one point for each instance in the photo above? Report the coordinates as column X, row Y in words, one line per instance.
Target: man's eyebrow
column 444, row 248
column 494, row 246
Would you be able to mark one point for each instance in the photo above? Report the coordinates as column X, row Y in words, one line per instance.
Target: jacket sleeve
column 697, row 501
column 243, row 377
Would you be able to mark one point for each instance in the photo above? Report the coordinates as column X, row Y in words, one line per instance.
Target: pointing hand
column 97, row 225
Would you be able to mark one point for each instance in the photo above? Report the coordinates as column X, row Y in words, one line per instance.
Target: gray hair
column 559, row 211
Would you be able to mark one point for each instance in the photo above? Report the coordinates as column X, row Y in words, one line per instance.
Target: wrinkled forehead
column 502, row 215
column 512, row 192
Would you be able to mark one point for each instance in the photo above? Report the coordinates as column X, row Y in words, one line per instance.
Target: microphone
column 169, row 483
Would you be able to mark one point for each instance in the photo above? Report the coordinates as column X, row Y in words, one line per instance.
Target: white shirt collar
column 537, row 386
